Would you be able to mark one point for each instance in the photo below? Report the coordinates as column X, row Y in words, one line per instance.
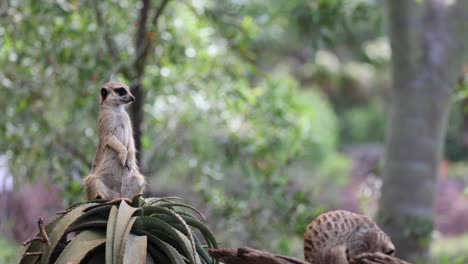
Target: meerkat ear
column 104, row 93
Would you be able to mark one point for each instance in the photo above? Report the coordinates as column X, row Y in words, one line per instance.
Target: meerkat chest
column 121, row 127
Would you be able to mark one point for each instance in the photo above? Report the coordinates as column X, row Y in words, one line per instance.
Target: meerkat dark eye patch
column 121, row 91
column 389, row 252
column 104, row 93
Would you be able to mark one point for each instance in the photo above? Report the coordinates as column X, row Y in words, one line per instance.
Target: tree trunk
column 143, row 47
column 136, row 114
column 426, row 59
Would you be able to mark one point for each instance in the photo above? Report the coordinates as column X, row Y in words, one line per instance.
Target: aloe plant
column 151, row 230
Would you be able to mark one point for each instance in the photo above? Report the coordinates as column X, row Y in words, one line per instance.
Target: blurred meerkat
column 114, row 173
column 340, row 236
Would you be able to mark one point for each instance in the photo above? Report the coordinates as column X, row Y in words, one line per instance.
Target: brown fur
column 338, row 236
column 115, row 173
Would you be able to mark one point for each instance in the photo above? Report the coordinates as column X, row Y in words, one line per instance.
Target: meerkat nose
column 132, row 98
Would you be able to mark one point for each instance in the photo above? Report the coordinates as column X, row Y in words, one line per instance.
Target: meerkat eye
column 389, row 252
column 121, row 91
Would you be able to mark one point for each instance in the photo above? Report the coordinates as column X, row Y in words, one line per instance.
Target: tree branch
column 142, row 48
column 142, row 44
column 159, row 12
column 251, row 256
column 141, row 40
column 111, row 46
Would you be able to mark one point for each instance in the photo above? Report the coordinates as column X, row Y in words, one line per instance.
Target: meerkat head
column 116, row 94
column 372, row 241
column 384, row 244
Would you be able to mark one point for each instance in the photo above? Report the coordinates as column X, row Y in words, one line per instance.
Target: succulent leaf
column 80, row 246
column 110, row 235
column 60, row 227
column 135, row 249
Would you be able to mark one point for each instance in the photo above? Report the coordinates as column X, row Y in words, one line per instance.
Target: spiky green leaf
column 80, row 246
column 209, row 237
column 169, row 251
column 60, row 227
column 110, row 235
column 174, row 204
column 135, row 249
column 37, row 246
column 122, row 229
column 187, row 247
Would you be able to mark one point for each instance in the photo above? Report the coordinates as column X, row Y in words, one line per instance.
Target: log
column 376, row 258
column 245, row 255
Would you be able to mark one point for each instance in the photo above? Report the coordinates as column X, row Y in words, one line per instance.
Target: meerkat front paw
column 123, row 157
column 130, row 159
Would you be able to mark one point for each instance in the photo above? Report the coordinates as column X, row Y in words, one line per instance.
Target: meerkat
column 114, row 173
column 340, row 236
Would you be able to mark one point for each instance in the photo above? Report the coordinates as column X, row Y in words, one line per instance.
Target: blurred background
column 263, row 114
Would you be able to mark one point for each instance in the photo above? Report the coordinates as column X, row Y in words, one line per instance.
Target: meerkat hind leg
column 96, row 189
column 134, row 185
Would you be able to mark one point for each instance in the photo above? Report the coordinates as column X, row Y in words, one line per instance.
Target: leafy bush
column 364, row 123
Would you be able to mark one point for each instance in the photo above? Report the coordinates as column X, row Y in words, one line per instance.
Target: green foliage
column 335, row 21
column 455, row 145
column 151, row 230
column 445, row 250
column 363, row 123
column 453, row 260
column 9, row 252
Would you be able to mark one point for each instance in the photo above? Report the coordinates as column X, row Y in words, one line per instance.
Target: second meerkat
column 340, row 236
column 115, row 173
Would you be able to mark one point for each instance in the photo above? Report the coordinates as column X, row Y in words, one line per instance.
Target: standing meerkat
column 340, row 236
column 114, row 173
